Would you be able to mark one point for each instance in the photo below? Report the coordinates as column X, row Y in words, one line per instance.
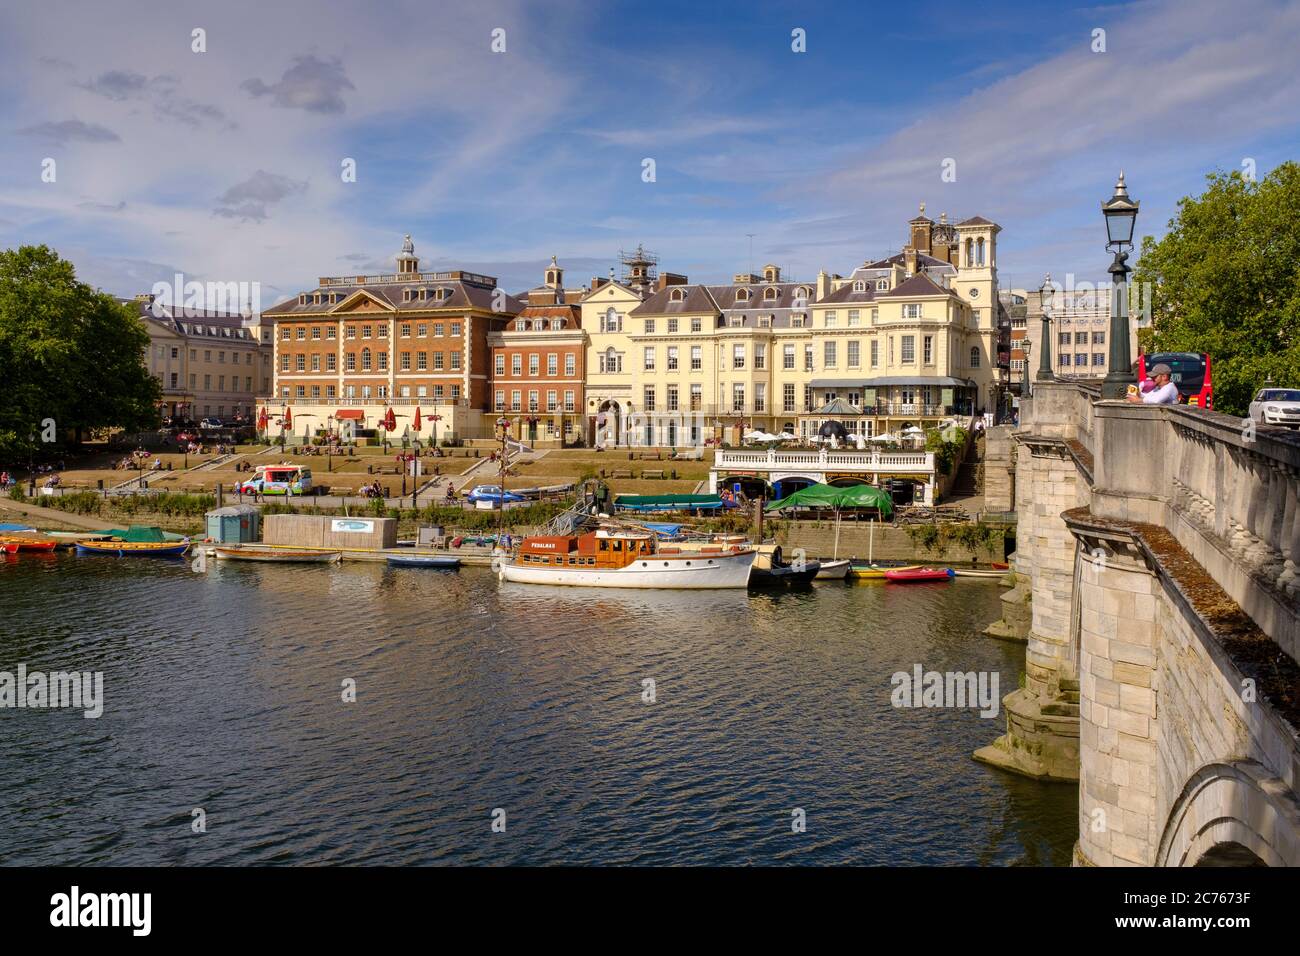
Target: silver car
column 1276, row 406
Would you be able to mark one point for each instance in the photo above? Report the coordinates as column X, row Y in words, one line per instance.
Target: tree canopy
column 1226, row 281
column 69, row 354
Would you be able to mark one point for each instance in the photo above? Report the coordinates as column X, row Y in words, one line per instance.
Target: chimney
column 909, row 258
column 823, row 285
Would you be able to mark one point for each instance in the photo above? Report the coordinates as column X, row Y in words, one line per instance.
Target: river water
column 223, row 692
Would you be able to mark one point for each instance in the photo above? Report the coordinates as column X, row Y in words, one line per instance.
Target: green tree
column 1226, row 281
column 70, row 355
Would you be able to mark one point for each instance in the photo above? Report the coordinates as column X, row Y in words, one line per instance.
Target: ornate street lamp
column 1045, row 360
column 1121, row 214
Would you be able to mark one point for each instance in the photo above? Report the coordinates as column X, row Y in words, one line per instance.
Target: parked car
column 492, row 493
column 278, row 480
column 211, row 424
column 1276, row 406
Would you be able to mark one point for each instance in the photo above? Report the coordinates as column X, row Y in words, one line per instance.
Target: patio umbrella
column 417, row 419
column 786, row 436
column 913, row 430
column 262, row 420
column 288, row 419
column 883, row 436
column 390, row 421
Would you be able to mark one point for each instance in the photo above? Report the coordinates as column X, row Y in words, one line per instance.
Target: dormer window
column 557, row 324
column 770, row 294
column 742, row 295
column 443, row 293
column 302, row 298
column 520, row 325
column 882, row 285
column 316, row 298
column 765, row 321
column 406, row 295
column 859, row 286
column 677, row 295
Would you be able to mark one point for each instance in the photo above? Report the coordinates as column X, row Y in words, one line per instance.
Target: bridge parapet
column 1161, row 548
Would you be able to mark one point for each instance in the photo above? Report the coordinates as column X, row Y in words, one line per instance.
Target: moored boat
column 876, row 572
column 279, row 556
column 15, row 543
column 436, row 561
column 909, row 575
column 134, row 549
column 771, row 571
column 833, row 570
column 980, row 572
column 615, row 558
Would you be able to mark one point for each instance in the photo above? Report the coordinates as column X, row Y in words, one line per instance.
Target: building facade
column 356, row 346
column 209, row 364
column 539, row 361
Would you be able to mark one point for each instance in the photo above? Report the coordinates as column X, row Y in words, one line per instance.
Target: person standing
column 1165, row 391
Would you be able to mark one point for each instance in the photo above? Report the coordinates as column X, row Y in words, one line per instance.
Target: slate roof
column 920, row 284
column 465, row 295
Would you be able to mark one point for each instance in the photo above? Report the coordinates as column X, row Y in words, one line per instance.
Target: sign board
column 352, row 525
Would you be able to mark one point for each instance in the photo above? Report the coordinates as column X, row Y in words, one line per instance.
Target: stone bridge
column 1157, row 575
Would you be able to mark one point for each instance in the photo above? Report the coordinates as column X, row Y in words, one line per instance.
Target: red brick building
column 538, row 363
column 356, row 345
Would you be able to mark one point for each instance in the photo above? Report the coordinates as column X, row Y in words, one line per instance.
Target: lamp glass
column 1119, row 225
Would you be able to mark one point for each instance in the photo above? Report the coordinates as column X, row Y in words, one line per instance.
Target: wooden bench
column 652, row 473
column 621, row 473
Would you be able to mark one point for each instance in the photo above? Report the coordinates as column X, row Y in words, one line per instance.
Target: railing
column 428, row 401
column 452, row 276
column 825, row 458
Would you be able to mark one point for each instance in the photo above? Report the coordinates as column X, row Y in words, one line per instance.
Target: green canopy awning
column 831, row 496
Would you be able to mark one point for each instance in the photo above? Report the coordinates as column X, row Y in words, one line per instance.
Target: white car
column 1276, row 406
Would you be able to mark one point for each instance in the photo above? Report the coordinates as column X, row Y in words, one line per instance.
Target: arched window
column 974, row 356
column 677, row 295
column 611, row 322
column 770, row 294
column 742, row 295
column 859, row 286
column 970, row 251
column 365, row 360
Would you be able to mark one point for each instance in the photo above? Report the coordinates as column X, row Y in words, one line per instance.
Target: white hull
column 697, row 572
column 834, row 570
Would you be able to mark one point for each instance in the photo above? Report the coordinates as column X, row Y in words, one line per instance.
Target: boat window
column 618, row 545
column 604, row 545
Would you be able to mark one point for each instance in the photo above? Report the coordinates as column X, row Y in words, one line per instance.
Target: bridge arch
column 1232, row 813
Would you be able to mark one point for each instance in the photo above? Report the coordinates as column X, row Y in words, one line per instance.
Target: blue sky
column 225, row 164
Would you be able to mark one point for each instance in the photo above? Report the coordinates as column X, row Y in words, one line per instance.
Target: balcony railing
column 863, row 461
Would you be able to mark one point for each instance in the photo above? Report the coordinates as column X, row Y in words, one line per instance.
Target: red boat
column 16, row 544
column 906, row 575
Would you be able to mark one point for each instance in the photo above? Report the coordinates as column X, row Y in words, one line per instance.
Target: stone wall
column 888, row 544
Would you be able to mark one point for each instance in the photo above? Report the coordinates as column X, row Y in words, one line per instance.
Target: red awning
column 355, row 414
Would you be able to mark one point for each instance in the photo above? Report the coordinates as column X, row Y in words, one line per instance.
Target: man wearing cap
column 1165, row 392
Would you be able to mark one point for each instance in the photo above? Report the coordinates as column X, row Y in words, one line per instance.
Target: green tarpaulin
column 831, row 496
column 142, row 532
column 668, row 502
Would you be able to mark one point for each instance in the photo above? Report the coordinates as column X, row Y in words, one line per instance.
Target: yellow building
column 209, row 364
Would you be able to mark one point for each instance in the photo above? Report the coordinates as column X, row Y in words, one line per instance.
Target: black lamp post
column 1045, row 359
column 1121, row 213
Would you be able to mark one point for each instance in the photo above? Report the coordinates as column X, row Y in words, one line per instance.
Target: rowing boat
column 16, row 543
column 423, row 561
column 833, row 570
column 910, row 575
column 980, row 572
column 876, row 572
column 135, row 549
column 278, row 556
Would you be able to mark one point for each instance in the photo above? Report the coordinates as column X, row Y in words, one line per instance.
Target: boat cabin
column 607, row 548
column 596, row 549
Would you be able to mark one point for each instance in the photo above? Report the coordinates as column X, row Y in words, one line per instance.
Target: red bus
column 1191, row 374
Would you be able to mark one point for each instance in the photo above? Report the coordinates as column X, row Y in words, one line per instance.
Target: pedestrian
column 1165, row 391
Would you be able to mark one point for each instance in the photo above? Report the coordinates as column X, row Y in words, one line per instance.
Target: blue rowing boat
column 423, row 561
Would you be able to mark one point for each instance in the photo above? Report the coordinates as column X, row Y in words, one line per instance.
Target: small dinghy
column 135, row 549
column 436, row 561
column 980, row 572
column 910, row 575
column 278, row 556
column 876, row 572
column 771, row 571
column 833, row 570
column 16, row 543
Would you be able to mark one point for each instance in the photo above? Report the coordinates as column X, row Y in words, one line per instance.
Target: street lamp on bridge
column 1121, row 214
column 1045, row 360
